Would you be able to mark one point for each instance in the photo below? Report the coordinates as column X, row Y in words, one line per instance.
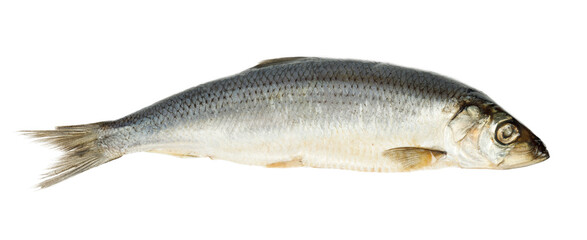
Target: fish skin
column 316, row 112
column 322, row 95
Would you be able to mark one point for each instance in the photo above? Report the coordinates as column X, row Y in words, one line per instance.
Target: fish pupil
column 507, row 132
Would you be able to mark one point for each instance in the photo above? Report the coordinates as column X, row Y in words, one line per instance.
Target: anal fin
column 295, row 162
column 412, row 158
column 174, row 153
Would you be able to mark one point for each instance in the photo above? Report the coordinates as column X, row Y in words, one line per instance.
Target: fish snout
column 540, row 152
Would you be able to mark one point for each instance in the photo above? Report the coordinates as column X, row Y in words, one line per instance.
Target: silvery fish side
column 314, row 112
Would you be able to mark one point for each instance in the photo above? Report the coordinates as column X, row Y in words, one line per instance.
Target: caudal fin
column 82, row 150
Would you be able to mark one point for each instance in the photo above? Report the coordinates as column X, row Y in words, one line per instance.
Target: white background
column 73, row 62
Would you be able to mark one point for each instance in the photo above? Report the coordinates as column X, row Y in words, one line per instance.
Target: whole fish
column 313, row 112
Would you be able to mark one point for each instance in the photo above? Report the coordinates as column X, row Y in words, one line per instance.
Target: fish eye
column 507, row 133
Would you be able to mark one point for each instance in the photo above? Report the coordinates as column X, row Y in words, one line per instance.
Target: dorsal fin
column 277, row 61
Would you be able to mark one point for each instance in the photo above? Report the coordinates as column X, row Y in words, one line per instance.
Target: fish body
column 314, row 112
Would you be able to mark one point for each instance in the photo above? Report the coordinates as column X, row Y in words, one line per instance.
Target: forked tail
column 83, row 147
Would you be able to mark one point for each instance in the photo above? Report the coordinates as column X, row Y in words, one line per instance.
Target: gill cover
column 466, row 127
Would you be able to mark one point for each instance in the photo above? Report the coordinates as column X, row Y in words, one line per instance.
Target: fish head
column 485, row 136
column 510, row 143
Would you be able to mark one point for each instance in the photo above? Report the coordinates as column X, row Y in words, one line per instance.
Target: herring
column 312, row 112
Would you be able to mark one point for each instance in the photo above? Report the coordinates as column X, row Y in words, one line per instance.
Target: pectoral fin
column 412, row 158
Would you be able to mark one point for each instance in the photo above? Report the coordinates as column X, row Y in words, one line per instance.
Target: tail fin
column 81, row 147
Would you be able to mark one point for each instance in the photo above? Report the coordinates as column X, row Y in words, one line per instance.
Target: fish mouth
column 541, row 157
column 542, row 153
column 525, row 154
